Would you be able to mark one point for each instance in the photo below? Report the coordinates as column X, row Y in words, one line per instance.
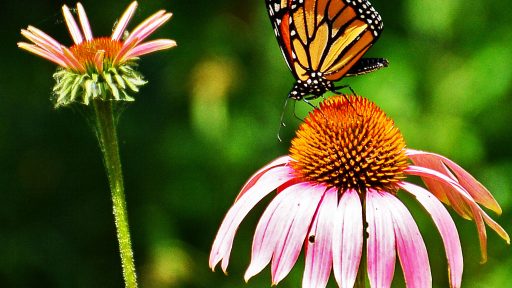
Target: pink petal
column 410, row 246
column 147, row 27
column 282, row 229
column 281, row 161
column 150, row 47
column 288, row 249
column 72, row 26
column 319, row 243
column 381, row 240
column 466, row 180
column 98, row 60
column 46, row 43
column 457, row 199
column 348, row 239
column 123, row 22
column 73, row 63
column 43, row 53
column 223, row 242
column 44, row 38
column 84, row 22
column 476, row 211
column 446, row 228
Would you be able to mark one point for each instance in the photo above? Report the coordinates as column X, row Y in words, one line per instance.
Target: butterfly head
column 313, row 87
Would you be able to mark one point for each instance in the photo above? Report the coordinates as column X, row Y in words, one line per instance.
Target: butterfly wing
column 327, row 36
column 279, row 13
column 367, row 65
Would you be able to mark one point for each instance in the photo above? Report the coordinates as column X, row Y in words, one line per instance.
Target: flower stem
column 107, row 137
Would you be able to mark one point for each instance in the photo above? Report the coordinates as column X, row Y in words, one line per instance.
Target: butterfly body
column 323, row 41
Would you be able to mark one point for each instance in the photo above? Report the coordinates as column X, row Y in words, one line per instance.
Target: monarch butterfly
column 323, row 41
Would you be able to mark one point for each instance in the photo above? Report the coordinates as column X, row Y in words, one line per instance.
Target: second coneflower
column 346, row 166
column 97, row 67
column 96, row 73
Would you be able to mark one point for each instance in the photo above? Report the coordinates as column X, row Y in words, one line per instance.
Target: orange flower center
column 86, row 51
column 349, row 143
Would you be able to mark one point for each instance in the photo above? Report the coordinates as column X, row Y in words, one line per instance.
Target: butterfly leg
column 335, row 90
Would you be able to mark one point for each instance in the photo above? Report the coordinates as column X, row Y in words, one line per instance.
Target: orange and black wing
column 279, row 12
column 326, row 36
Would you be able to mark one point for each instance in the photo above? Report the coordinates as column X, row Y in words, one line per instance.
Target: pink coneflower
column 346, row 166
column 97, row 67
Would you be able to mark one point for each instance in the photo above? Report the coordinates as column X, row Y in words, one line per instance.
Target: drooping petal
column 84, row 22
column 123, row 21
column 281, row 161
column 319, row 243
column 457, row 199
column 43, row 53
column 466, row 180
column 381, row 241
column 150, row 47
column 288, row 248
column 267, row 182
column 348, row 239
column 479, row 215
column 409, row 245
column 446, row 228
column 282, row 229
column 72, row 26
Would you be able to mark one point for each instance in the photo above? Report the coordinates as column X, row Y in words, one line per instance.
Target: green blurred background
column 208, row 119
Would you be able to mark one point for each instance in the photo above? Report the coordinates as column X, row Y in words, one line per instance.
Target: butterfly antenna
column 281, row 122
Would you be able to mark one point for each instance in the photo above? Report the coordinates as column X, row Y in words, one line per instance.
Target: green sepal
column 113, row 84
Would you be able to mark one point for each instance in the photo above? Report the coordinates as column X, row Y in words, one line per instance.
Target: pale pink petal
column 147, row 27
column 44, row 38
column 381, row 241
column 446, row 228
column 268, row 231
column 282, row 229
column 150, row 47
column 223, row 242
column 43, row 53
column 72, row 26
column 288, row 248
column 466, row 180
column 409, row 245
column 84, row 22
column 271, row 228
column 281, row 161
column 123, row 22
column 319, row 243
column 348, row 238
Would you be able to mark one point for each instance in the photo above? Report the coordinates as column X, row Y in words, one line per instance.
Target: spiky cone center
column 348, row 142
column 87, row 53
column 103, row 76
